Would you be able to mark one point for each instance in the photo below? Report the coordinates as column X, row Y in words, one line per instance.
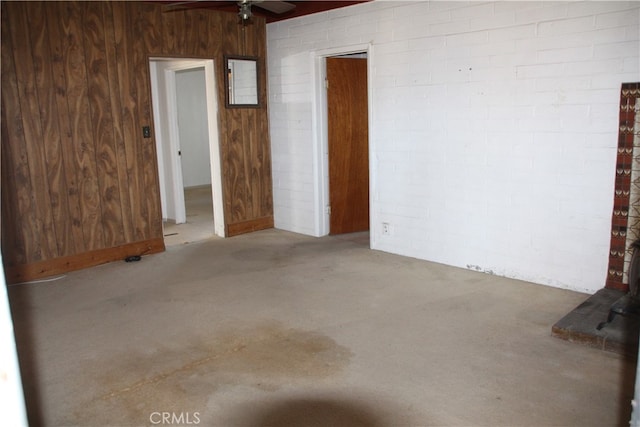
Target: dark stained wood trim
column 249, row 226
column 42, row 269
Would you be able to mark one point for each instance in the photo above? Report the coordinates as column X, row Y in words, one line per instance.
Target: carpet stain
column 183, row 379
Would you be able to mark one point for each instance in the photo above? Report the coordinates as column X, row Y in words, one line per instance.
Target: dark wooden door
column 348, row 135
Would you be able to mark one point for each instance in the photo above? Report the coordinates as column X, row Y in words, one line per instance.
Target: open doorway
column 185, row 116
column 195, row 159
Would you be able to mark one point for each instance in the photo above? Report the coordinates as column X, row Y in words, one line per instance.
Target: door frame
column 320, row 132
column 172, row 149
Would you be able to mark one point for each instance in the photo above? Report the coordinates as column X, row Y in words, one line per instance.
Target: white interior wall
column 493, row 129
column 160, row 100
column 192, row 119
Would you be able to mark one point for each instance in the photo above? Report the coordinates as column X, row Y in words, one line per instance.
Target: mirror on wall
column 241, row 78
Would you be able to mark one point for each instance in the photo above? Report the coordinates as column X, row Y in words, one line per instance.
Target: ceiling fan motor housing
column 244, row 11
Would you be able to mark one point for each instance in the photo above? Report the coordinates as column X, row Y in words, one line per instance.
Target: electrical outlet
column 386, row 228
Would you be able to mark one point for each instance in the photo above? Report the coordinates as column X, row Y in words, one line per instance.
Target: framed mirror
column 241, row 81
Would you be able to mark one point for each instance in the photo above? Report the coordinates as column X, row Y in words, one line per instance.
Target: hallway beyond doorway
column 199, row 226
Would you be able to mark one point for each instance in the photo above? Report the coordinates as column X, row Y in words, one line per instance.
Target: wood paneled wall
column 79, row 182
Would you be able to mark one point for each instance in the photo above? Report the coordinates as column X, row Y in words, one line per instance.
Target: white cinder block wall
column 493, row 129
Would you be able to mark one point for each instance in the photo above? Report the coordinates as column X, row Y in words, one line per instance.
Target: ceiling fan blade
column 174, row 7
column 277, row 7
column 197, row 4
column 274, row 6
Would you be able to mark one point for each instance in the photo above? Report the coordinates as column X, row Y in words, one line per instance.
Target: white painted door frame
column 174, row 143
column 173, row 140
column 320, row 132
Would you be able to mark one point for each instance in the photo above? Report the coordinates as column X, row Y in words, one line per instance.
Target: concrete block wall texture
column 493, row 129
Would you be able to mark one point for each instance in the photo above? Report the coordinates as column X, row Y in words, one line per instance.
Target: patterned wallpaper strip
column 625, row 222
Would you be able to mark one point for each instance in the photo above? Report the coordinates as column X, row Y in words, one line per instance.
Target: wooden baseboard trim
column 41, row 269
column 249, row 226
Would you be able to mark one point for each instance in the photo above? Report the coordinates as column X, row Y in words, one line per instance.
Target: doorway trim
column 320, row 130
column 172, row 149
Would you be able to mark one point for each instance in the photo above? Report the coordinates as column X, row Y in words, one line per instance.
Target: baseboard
column 249, row 226
column 42, row 269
